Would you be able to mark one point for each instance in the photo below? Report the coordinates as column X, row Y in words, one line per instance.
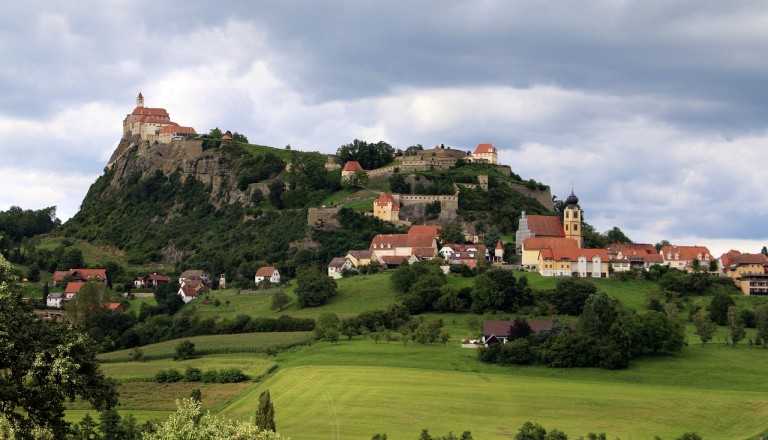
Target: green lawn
column 215, row 344
column 252, row 365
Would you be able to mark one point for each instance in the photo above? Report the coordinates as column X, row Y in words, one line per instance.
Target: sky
column 654, row 112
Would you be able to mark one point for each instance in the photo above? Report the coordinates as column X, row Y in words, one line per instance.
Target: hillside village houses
column 267, row 273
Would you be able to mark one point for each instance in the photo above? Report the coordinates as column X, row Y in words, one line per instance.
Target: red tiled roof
column 226, row 137
column 536, row 243
column 59, row 275
column 728, row 257
column 545, row 225
column 115, row 306
column 401, row 241
column 484, row 148
column 387, row 199
column 499, row 245
column 265, row 271
column 685, row 252
column 190, row 292
column 750, row 259
column 149, row 111
column 394, row 259
column 433, row 230
column 361, row 254
column 352, row 166
column 178, row 129
column 151, row 120
column 628, row 249
column 89, row 274
column 480, row 248
column 159, row 278
column 74, row 286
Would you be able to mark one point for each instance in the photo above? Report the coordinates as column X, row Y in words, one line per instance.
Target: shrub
column 193, row 374
column 231, row 375
column 168, row 376
column 184, row 350
column 210, row 376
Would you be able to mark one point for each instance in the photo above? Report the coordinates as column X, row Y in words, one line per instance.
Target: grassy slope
column 356, row 388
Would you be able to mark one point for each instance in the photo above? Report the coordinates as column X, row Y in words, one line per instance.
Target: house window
column 575, row 227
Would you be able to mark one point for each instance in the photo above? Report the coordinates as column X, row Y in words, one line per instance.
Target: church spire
column 140, row 100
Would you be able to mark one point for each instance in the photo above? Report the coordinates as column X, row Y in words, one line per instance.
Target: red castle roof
column 149, row 111
column 484, row 148
column 352, row 166
column 545, row 225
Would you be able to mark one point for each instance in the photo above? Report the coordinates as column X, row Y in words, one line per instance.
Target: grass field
column 356, row 388
column 352, row 402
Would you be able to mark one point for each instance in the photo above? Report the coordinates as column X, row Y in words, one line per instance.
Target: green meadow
column 357, row 387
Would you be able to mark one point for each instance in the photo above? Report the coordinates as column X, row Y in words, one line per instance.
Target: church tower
column 140, row 101
column 572, row 218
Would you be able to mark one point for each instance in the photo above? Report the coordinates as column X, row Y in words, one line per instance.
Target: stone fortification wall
column 542, row 196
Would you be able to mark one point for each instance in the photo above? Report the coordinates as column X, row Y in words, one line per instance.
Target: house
column 55, row 300
column 82, row 275
column 349, row 170
column 402, row 246
column 433, row 230
column 485, row 153
column 464, row 254
column 268, row 273
column 115, row 307
column 226, row 137
column 361, row 257
column 194, row 273
column 748, row 271
column 386, row 208
column 550, row 226
column 175, row 132
column 537, row 226
column 151, row 280
column 497, row 331
column 632, row 256
column 531, row 247
column 498, row 253
column 574, row 262
column 188, row 293
column 72, row 289
column 337, row 266
column 683, row 257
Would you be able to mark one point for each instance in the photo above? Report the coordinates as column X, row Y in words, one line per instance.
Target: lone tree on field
column 265, row 414
column 184, row 350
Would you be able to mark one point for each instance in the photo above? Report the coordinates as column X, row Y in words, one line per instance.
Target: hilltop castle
column 153, row 124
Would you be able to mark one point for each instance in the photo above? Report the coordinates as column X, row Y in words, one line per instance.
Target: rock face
column 211, row 167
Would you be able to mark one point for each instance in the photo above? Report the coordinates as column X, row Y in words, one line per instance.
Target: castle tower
column 572, row 218
column 140, row 100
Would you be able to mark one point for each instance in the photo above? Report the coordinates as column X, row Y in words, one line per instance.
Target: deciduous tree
column 265, row 413
column 42, row 364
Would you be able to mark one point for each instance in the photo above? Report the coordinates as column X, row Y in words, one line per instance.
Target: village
column 545, row 244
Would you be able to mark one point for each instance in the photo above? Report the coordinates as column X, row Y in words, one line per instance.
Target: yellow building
column 748, row 271
column 386, row 208
column 532, row 246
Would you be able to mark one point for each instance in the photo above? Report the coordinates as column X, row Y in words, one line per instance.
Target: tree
column 276, row 190
column 33, row 273
column 184, row 350
column 313, row 288
column 615, row 235
column 735, row 325
column 705, row 328
column 369, row 155
column 718, row 308
column 761, row 322
column 357, row 180
column 265, row 413
column 190, row 423
column 42, row 364
column 570, row 294
column 86, row 310
column 452, row 232
column 279, row 300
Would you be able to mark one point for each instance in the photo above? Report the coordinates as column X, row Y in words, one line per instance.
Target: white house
column 188, row 293
column 54, row 300
column 269, row 273
column 337, row 266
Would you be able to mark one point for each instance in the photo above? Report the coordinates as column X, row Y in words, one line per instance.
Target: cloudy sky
column 656, row 112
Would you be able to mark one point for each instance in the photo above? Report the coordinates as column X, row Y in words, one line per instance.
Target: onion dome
column 572, row 200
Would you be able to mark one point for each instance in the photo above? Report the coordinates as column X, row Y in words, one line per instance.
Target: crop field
column 251, row 364
column 215, row 344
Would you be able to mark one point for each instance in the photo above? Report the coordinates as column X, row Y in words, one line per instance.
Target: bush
column 210, row 376
column 231, row 375
column 193, row 374
column 168, row 376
